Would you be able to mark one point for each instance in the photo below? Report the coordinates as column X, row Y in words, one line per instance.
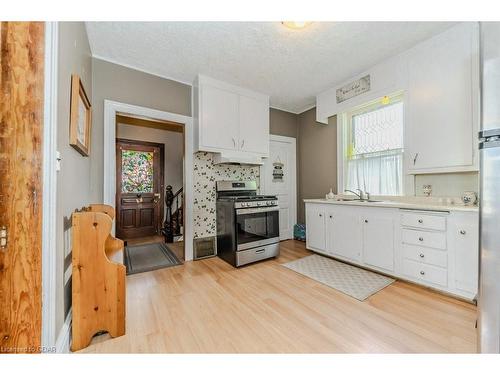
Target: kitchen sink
column 358, row 200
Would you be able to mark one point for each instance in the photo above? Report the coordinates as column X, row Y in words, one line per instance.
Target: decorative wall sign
column 278, row 171
column 353, row 89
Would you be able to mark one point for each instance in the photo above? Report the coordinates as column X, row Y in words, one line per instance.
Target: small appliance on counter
column 247, row 223
column 469, row 198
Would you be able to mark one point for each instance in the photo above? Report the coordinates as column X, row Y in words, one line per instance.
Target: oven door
column 257, row 227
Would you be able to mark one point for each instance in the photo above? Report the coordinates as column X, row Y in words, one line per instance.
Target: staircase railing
column 173, row 213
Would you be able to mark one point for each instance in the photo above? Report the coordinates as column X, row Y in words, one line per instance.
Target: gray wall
column 283, row 123
column 317, row 158
column 125, row 85
column 74, row 185
column 174, row 149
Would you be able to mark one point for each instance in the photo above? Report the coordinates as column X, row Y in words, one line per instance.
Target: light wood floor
column 208, row 306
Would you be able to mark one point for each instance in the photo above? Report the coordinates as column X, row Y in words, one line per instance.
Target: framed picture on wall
column 80, row 117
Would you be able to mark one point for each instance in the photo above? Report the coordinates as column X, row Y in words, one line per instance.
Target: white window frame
column 342, row 122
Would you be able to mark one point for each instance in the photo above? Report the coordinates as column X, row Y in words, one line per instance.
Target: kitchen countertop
column 411, row 204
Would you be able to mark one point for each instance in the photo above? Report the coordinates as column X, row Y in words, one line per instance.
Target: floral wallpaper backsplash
column 205, row 174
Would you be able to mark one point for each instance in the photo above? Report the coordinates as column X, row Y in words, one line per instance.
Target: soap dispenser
column 330, row 195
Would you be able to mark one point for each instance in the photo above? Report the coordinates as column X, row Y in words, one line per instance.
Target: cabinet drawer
column 419, row 220
column 436, row 240
column 425, row 272
column 426, row 255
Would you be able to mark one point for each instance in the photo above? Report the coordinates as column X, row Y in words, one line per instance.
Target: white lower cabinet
column 464, row 237
column 433, row 248
column 378, row 239
column 315, row 231
column 344, row 234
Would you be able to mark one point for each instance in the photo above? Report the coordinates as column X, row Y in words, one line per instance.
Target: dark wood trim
column 149, row 123
column 147, row 146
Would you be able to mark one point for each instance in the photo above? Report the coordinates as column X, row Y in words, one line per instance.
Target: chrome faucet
column 360, row 195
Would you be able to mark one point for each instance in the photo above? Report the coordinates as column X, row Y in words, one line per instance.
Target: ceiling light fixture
column 296, row 25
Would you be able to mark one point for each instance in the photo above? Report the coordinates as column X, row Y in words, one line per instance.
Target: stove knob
column 258, row 203
column 243, row 204
column 269, row 203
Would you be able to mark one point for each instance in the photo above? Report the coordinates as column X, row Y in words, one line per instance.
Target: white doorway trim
column 49, row 193
column 111, row 108
column 265, row 182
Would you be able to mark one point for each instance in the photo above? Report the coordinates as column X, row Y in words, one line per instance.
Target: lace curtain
column 374, row 157
column 378, row 174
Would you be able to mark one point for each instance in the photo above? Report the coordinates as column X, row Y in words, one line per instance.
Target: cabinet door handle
column 331, row 217
column 366, row 221
column 421, row 255
column 234, row 142
column 421, row 239
column 320, row 215
column 242, row 143
column 420, row 221
column 415, row 158
column 422, row 273
column 463, row 232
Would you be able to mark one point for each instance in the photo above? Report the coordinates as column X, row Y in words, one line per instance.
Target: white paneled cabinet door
column 219, row 118
column 254, row 125
column 378, row 240
column 465, row 239
column 441, row 100
column 345, row 231
column 315, row 227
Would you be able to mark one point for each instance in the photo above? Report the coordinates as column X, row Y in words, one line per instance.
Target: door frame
column 49, row 191
column 111, row 109
column 161, row 146
column 265, row 182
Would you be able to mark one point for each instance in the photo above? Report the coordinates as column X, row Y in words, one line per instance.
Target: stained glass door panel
column 137, row 171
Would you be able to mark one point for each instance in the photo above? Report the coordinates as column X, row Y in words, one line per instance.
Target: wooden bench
column 98, row 279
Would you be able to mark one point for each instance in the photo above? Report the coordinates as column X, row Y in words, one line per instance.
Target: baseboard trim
column 63, row 342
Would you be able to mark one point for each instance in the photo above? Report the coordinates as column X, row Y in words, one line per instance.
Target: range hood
column 236, row 158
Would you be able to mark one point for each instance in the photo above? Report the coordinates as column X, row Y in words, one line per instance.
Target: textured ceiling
column 289, row 65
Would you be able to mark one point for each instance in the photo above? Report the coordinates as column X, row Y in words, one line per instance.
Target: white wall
column 447, row 184
column 174, row 149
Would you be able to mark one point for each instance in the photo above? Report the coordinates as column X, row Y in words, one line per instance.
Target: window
column 373, row 148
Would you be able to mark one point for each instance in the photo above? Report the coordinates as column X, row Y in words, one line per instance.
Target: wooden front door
column 139, row 188
column 21, row 129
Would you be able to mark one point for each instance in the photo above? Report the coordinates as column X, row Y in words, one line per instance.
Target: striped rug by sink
column 353, row 281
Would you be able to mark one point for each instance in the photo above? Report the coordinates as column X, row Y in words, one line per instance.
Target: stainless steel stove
column 247, row 223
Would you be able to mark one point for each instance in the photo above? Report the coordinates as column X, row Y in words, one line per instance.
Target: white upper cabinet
column 442, row 107
column 254, row 125
column 230, row 119
column 219, row 114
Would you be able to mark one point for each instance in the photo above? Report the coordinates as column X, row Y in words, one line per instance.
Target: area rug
column 149, row 257
column 353, row 281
